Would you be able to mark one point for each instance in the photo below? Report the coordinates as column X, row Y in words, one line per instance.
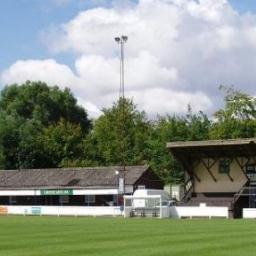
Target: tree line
column 44, row 127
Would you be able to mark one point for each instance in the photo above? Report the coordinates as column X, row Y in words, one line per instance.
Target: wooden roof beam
column 188, row 167
column 208, row 165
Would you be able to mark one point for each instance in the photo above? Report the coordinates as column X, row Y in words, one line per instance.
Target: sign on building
column 56, row 192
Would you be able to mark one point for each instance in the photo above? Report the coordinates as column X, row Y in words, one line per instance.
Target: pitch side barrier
column 62, row 210
column 201, row 211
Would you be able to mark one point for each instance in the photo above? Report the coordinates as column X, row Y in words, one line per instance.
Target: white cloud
column 35, row 70
column 178, row 53
column 159, row 100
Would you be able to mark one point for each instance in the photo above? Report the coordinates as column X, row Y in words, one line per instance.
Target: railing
column 246, row 190
column 251, row 176
column 188, row 187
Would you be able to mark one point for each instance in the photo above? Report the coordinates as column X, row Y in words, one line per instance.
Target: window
column 64, row 199
column 224, row 166
column 141, row 187
column 12, row 200
column 89, row 199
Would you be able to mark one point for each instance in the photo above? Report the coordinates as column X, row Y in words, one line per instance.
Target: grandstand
column 218, row 173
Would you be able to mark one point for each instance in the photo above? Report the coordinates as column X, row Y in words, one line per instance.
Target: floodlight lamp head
column 117, row 39
column 117, row 172
column 124, row 38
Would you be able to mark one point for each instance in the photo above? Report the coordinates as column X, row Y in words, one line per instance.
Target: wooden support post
column 208, row 167
column 230, row 177
column 188, row 167
column 242, row 165
column 192, row 173
column 196, row 163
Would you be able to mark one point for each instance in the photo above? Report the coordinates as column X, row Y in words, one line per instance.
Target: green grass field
column 68, row 236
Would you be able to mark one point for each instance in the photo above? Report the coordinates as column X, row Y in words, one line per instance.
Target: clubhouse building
column 93, row 187
column 218, row 173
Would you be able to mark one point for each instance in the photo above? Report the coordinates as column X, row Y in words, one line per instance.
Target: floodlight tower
column 121, row 40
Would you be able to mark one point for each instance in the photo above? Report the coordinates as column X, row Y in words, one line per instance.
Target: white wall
column 199, row 211
column 165, row 212
column 249, row 213
column 62, row 210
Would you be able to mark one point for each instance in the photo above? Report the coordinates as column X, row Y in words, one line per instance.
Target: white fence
column 62, row 210
column 164, row 211
column 198, row 211
column 249, row 213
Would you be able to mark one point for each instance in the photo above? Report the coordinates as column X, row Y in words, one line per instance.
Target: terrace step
column 210, row 199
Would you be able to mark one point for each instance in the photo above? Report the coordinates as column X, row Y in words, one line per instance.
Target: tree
column 9, row 141
column 121, row 128
column 62, row 143
column 198, row 125
column 47, row 105
column 174, row 128
column 27, row 113
column 238, row 117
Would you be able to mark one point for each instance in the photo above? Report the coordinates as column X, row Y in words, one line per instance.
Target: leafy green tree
column 30, row 150
column 9, row 141
column 238, row 117
column 121, row 128
column 28, row 114
column 62, row 143
column 37, row 101
column 174, row 128
column 198, row 125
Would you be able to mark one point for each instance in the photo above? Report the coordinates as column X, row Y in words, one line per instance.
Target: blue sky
column 244, row 5
column 25, row 25
column 22, row 21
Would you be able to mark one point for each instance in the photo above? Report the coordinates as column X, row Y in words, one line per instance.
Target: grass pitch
column 68, row 236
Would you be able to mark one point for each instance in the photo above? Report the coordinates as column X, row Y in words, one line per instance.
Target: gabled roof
column 69, row 177
column 214, row 148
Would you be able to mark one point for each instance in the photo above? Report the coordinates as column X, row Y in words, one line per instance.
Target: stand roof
column 214, row 148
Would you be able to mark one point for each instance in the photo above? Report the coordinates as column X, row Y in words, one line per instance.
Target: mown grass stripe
column 66, row 236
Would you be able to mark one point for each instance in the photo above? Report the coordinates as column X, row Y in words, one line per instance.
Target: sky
column 178, row 51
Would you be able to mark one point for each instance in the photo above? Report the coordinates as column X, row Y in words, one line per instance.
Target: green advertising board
column 56, row 192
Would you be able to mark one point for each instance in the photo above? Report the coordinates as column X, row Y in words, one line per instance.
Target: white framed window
column 89, row 199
